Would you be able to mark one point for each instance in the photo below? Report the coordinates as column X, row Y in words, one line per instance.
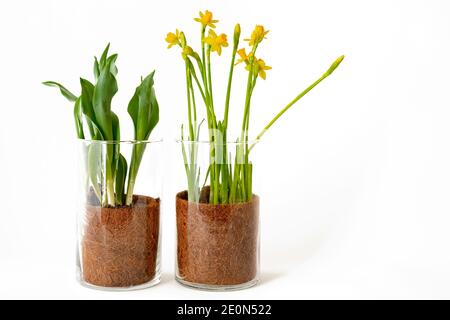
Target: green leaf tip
column 104, row 62
column 104, row 55
column 64, row 91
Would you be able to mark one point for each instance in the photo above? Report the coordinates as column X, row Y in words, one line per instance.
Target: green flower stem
column 193, row 193
column 247, row 170
column 212, row 173
column 236, row 39
column 230, row 80
column 236, row 173
column 203, row 52
column 194, row 75
column 301, row 95
column 245, row 120
column 188, row 91
column 244, row 132
column 194, row 105
column 225, row 185
column 215, row 168
column 194, row 137
column 190, row 164
column 210, row 112
column 210, row 89
column 248, row 95
column 243, row 150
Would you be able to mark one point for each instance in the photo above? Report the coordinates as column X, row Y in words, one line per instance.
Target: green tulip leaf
column 64, row 91
column 144, row 111
column 78, row 119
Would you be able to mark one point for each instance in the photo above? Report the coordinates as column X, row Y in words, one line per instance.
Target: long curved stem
column 333, row 67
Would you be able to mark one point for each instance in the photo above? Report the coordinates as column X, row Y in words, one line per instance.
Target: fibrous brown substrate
column 217, row 244
column 119, row 245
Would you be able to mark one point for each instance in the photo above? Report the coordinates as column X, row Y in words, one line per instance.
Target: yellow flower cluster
column 252, row 63
column 217, row 42
column 258, row 65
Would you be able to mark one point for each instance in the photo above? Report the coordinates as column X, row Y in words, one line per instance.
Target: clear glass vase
column 119, row 214
column 217, row 215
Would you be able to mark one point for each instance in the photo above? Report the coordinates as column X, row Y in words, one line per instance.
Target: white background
column 356, row 176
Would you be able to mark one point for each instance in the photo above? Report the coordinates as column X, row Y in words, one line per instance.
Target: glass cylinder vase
column 217, row 216
column 119, row 214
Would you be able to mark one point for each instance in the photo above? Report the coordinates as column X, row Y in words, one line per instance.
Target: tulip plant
column 228, row 184
column 92, row 110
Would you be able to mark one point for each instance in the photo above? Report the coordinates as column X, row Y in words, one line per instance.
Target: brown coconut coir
column 120, row 244
column 217, row 244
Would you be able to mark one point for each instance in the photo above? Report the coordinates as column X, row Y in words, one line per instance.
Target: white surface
column 358, row 174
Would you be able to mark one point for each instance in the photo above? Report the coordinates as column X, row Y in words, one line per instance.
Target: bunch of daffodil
column 228, row 183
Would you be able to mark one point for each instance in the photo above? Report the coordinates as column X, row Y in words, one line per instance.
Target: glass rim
column 152, row 141
column 220, row 143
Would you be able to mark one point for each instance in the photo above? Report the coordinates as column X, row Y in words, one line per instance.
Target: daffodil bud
column 335, row 64
column 237, row 35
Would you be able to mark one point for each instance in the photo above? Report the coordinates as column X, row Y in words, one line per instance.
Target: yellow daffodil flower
column 261, row 66
column 206, row 19
column 244, row 57
column 216, row 42
column 258, row 35
column 173, row 39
